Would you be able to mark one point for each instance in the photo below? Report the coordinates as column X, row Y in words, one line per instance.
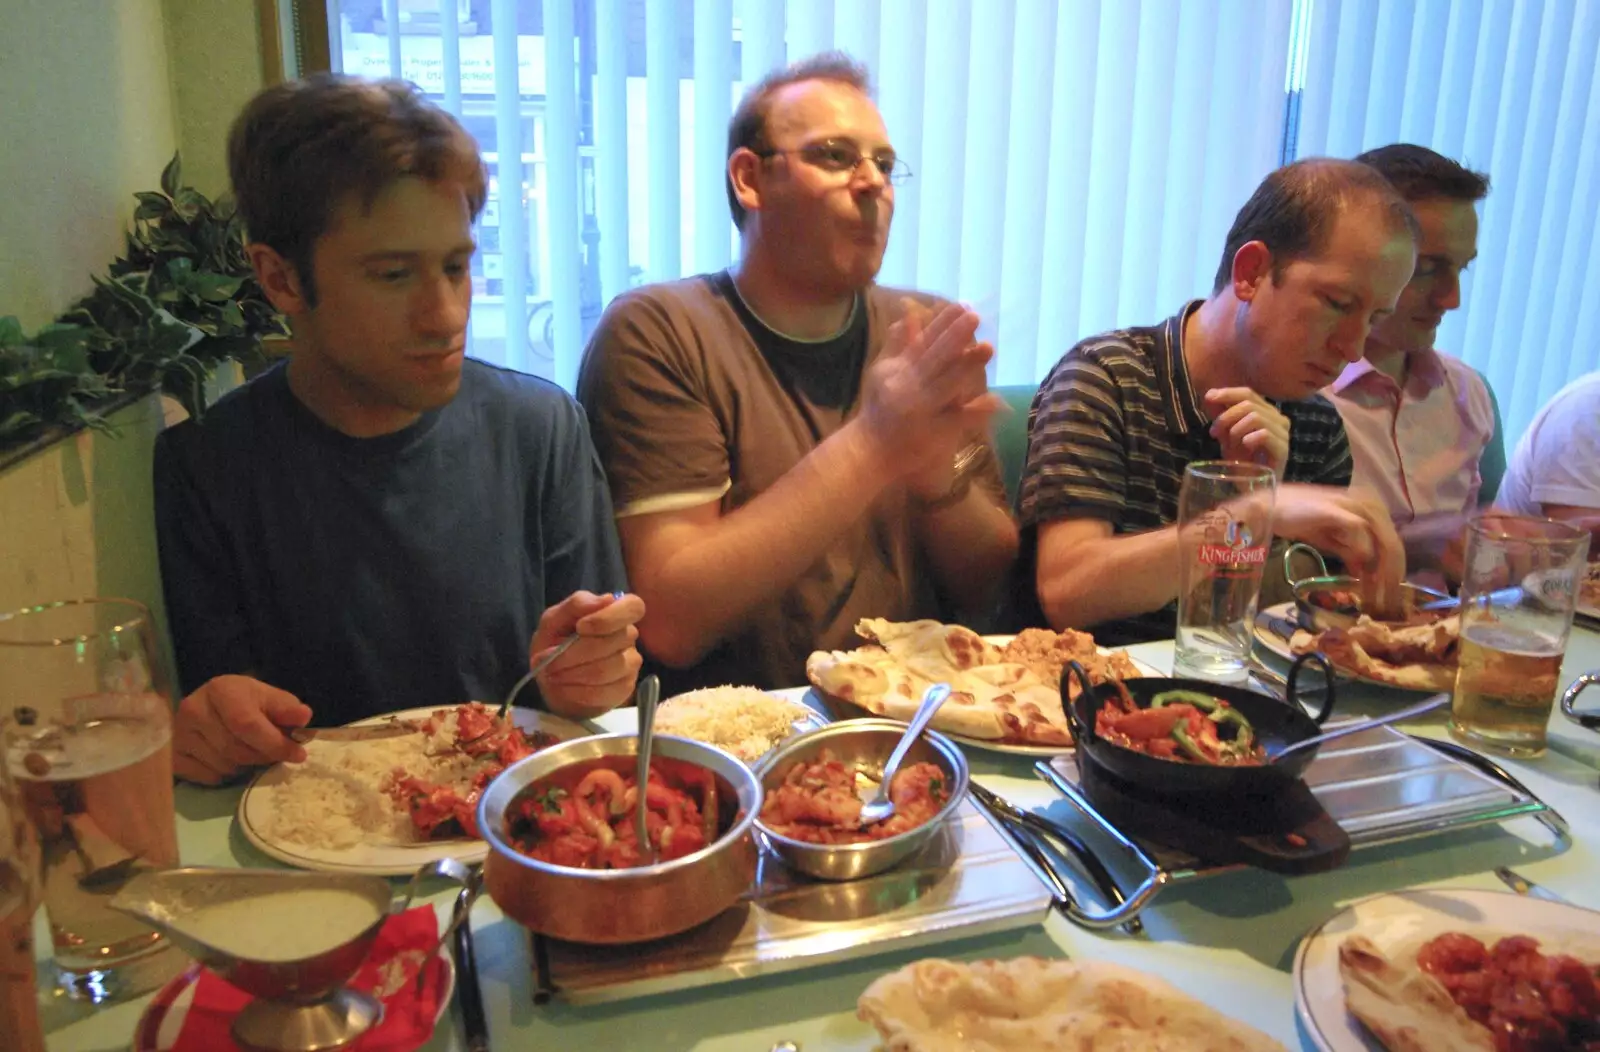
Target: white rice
column 741, row 720
column 338, row 798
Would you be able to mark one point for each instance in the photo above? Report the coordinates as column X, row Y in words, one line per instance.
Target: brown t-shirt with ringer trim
column 692, row 399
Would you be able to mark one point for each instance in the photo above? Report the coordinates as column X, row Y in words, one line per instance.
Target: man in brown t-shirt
column 791, row 448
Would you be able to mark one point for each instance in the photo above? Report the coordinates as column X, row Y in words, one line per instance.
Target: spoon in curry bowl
column 649, row 693
column 1437, row 701
column 880, row 806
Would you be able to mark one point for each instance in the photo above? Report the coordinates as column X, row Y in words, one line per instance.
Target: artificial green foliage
column 46, row 380
column 180, row 300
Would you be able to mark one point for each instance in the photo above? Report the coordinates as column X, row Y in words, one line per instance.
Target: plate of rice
column 745, row 721
column 341, row 810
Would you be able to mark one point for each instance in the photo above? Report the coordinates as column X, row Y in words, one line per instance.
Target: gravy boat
column 300, row 1005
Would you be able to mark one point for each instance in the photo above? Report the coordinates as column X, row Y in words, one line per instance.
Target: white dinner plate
column 1399, row 923
column 1279, row 647
column 384, row 860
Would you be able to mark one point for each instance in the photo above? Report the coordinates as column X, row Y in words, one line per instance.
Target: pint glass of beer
column 1520, row 586
column 1224, row 531
column 86, row 711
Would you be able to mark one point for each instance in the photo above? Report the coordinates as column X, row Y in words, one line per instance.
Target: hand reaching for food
column 1355, row 529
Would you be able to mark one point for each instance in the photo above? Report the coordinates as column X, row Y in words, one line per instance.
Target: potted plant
column 180, row 301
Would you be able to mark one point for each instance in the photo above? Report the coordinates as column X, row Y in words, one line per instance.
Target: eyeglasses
column 843, row 157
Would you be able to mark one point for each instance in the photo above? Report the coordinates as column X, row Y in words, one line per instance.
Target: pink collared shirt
column 1416, row 449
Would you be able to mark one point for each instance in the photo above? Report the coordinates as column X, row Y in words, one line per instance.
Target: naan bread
column 991, row 699
column 1405, row 1008
column 1034, row 1004
column 1413, row 656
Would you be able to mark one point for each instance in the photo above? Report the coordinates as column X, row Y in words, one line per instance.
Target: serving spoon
column 880, row 806
column 649, row 693
column 1420, row 708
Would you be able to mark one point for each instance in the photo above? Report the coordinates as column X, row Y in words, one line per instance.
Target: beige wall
column 216, row 67
column 87, row 120
column 97, row 95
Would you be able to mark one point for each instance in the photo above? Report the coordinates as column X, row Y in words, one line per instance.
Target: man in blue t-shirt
column 379, row 523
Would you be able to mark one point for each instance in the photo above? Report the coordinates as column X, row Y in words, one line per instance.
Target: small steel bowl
column 865, row 745
column 620, row 905
column 1314, row 617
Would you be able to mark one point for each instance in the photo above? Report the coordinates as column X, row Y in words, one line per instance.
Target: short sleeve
column 1565, row 464
column 657, row 436
column 1077, row 463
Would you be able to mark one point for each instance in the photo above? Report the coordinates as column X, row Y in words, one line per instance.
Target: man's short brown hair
column 1420, row 174
column 300, row 148
column 748, row 128
column 1293, row 211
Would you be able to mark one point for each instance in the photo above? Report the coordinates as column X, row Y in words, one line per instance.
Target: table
column 1229, row 941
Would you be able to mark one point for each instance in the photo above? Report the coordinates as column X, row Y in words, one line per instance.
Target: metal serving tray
column 1382, row 786
column 968, row 881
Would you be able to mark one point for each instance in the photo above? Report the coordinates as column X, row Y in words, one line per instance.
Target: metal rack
column 1382, row 787
column 968, row 881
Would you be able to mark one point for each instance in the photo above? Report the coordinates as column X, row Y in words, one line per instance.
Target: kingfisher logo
column 1236, row 548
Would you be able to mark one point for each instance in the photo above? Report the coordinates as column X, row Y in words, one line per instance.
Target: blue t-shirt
column 365, row 575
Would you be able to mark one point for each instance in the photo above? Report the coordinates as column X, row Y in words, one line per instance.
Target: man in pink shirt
column 1420, row 421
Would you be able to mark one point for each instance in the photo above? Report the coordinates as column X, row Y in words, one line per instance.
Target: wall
column 216, row 67
column 98, row 94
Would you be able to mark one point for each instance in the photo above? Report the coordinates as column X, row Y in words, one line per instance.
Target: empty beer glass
column 1224, row 531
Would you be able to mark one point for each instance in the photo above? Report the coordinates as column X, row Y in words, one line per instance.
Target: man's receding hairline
column 770, row 112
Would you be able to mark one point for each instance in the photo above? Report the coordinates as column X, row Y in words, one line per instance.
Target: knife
column 390, row 728
column 1523, row 886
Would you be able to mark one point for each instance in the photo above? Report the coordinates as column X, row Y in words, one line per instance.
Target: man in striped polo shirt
column 1319, row 253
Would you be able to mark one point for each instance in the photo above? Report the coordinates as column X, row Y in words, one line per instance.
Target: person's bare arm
column 1086, row 574
column 971, row 544
column 700, row 571
column 1581, row 517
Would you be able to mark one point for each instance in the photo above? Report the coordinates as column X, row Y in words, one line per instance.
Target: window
column 1076, row 169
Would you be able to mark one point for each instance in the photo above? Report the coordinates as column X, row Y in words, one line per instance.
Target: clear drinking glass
column 1224, row 531
column 86, row 709
column 1519, row 589
column 19, row 899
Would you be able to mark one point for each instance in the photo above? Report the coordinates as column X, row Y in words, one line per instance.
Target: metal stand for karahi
column 967, row 882
column 1379, row 788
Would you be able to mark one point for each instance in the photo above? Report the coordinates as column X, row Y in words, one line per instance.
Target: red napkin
column 389, row 973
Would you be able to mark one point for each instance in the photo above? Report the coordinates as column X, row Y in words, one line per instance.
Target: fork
column 533, row 673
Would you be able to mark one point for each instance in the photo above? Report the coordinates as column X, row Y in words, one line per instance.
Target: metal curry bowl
column 864, row 745
column 1316, row 617
column 621, row 905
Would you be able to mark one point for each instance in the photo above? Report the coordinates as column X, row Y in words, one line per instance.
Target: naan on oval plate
column 999, row 693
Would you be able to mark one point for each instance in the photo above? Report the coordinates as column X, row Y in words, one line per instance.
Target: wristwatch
column 965, row 466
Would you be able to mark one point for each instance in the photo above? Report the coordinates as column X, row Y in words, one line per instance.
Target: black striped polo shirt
column 1116, row 423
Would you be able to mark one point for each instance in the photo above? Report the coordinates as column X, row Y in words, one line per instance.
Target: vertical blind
column 1507, row 87
column 1076, row 164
